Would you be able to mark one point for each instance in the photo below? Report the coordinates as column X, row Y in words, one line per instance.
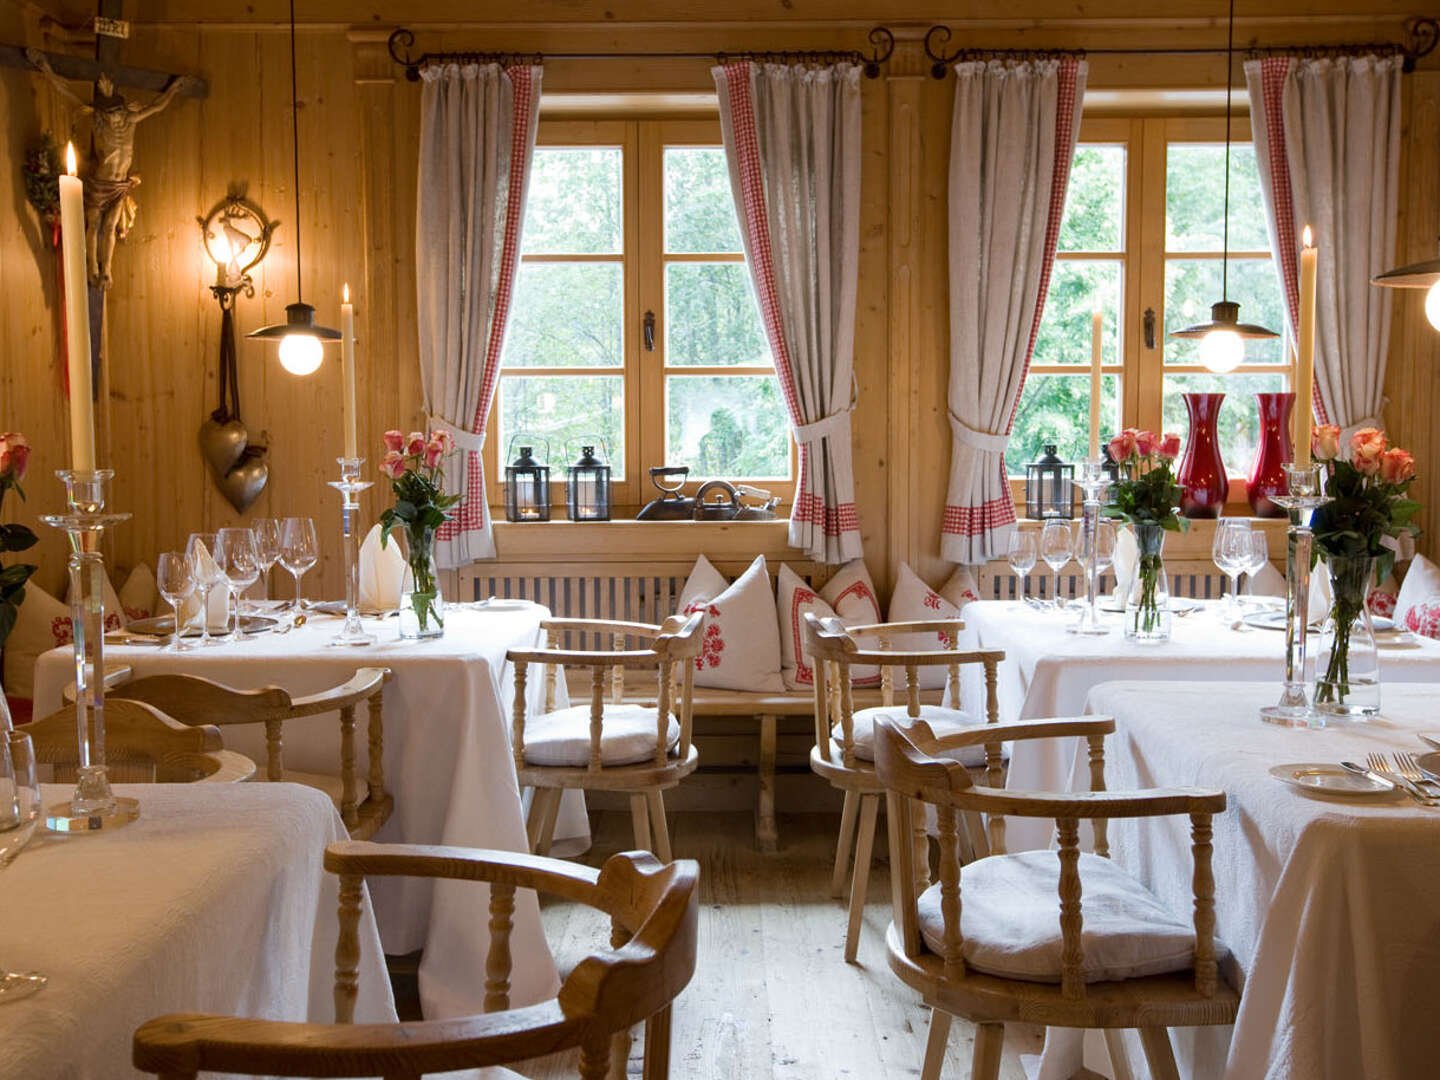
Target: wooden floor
column 773, row 996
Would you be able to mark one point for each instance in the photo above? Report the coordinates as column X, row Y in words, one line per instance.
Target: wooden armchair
column 1153, row 976
column 844, row 736
column 609, row 744
column 364, row 804
column 651, row 958
column 142, row 745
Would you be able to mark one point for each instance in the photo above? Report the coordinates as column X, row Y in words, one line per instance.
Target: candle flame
column 70, row 158
column 346, row 293
column 1307, row 238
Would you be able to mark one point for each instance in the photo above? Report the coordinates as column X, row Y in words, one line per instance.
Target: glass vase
column 422, row 608
column 1147, row 608
column 1272, row 450
column 1347, row 671
column 1203, row 480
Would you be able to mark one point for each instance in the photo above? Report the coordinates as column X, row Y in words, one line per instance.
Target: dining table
column 447, row 762
column 1325, row 902
column 214, row 900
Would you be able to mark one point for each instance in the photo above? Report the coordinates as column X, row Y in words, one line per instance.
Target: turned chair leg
column 1158, row 1053
column 767, row 836
column 657, row 1046
column 860, row 877
column 848, row 815
column 1119, row 1058
column 640, row 818
column 935, row 1044
column 655, row 800
column 989, row 1040
column 549, row 813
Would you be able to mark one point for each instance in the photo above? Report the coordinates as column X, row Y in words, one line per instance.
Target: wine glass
column 235, row 554
column 19, row 807
column 176, row 582
column 1229, row 551
column 1057, row 547
column 200, row 549
column 267, row 548
column 1022, row 554
column 1104, row 547
column 299, row 550
column 1257, row 555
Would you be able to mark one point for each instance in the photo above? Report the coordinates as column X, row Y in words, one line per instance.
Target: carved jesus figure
column 109, row 208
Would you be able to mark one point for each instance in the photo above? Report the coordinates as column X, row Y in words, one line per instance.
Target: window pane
column 1077, row 288
column 1195, row 199
column 711, row 317
column 1192, row 285
column 574, row 205
column 699, row 209
column 1056, row 409
column 564, row 410
column 566, row 315
column 727, row 426
column 1095, row 201
column 1239, row 426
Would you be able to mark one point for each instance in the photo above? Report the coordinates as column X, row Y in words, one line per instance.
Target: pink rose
column 14, row 455
column 1325, row 442
column 394, row 465
column 1367, row 446
column 1396, row 466
column 443, row 439
column 1146, row 443
column 415, row 444
column 1122, row 446
column 433, row 453
column 394, row 440
column 1169, row 447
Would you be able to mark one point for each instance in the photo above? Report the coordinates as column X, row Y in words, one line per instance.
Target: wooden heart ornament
column 222, row 443
column 243, row 484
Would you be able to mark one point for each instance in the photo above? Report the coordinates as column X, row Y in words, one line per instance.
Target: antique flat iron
column 671, row 505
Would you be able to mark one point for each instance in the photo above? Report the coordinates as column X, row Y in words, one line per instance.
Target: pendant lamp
column 1421, row 275
column 300, row 339
column 1222, row 339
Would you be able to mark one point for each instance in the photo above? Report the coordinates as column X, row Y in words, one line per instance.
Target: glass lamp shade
column 1049, row 488
column 587, row 488
column 300, row 339
column 1421, row 275
column 527, row 488
column 1222, row 351
column 300, row 354
column 1222, row 339
column 1432, row 305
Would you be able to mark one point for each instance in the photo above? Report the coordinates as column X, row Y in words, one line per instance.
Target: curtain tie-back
column 474, row 441
column 1348, row 432
column 979, row 440
column 825, row 427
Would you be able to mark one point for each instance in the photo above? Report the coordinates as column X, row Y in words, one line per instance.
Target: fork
column 1409, row 768
column 1376, row 762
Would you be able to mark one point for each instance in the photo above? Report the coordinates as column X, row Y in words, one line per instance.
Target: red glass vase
column 1267, row 474
column 1202, row 478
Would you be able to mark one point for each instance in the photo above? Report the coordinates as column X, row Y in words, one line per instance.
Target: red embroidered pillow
column 1420, row 588
column 139, row 596
column 1424, row 619
column 914, row 601
column 42, row 624
column 742, row 639
column 852, row 594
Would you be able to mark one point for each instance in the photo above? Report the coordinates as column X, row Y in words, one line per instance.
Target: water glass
column 200, row 549
column 26, row 772
column 1024, row 550
column 1104, row 547
column 1230, row 550
column 235, row 555
column 1057, row 547
column 176, row 583
column 299, row 550
column 1257, row 555
column 267, row 548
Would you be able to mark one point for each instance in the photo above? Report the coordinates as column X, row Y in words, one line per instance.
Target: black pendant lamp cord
column 1229, row 81
column 295, row 138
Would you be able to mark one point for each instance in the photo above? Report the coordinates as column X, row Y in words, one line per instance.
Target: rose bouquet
column 412, row 463
column 1147, row 496
column 14, row 457
column 1356, row 533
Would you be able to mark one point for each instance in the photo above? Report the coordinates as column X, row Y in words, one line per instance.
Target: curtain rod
column 881, row 38
column 1421, row 35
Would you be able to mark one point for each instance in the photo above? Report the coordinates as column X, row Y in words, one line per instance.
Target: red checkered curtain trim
column 477, row 140
column 1327, row 145
column 792, row 142
column 1013, row 134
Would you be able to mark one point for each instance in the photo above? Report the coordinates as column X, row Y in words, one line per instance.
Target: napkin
column 1270, row 582
column 1127, row 554
column 381, row 572
column 219, row 602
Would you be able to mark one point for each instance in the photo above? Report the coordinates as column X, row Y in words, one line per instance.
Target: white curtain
column 1012, row 137
column 477, row 138
column 792, row 141
column 1327, row 143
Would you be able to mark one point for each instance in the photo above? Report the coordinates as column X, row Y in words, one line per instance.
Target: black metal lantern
column 527, row 488
column 1109, row 465
column 587, row 488
column 1049, row 488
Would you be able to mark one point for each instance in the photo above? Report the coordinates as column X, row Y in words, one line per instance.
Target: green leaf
column 16, row 537
column 17, row 574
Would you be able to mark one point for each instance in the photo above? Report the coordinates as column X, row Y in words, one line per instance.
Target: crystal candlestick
column 1304, row 492
column 1093, row 482
column 350, row 485
column 93, row 805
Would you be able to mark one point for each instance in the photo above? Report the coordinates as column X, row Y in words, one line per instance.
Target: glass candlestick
column 350, row 485
column 1304, row 492
column 93, row 806
column 1093, row 482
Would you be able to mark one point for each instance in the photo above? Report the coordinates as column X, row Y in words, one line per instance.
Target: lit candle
column 77, row 316
column 1097, row 337
column 1305, row 361
column 347, row 356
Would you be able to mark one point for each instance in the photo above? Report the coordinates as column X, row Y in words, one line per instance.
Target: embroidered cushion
column 627, row 736
column 42, row 624
column 1420, row 588
column 914, row 601
column 140, row 596
column 793, row 600
column 741, row 641
column 852, row 594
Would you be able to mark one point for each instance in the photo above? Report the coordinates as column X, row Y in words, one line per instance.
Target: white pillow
column 793, row 599
column 1269, row 581
column 704, row 580
column 140, row 595
column 114, row 610
column 1010, row 921
column 742, row 637
column 852, row 594
column 1420, row 587
column 42, row 625
column 914, row 601
column 627, row 736
column 960, row 588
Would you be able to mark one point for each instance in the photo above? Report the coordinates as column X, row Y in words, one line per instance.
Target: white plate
column 1329, row 779
column 1382, row 623
column 1178, row 604
column 504, row 603
column 1430, row 764
column 1271, row 620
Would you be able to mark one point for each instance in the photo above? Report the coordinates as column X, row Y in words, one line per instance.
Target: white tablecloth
column 447, row 763
column 215, row 900
column 1328, row 905
column 1048, row 672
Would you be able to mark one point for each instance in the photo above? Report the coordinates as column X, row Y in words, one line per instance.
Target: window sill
column 628, row 540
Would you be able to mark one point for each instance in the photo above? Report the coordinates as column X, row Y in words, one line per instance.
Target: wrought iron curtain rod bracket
column 1421, row 36
column 883, row 41
column 937, row 36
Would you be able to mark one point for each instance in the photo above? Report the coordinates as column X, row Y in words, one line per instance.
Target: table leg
column 766, row 836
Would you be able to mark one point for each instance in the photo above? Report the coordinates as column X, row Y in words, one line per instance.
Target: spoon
column 1375, row 777
column 1429, row 739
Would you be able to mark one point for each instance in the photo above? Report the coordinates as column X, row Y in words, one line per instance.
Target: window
column 634, row 325
column 1143, row 230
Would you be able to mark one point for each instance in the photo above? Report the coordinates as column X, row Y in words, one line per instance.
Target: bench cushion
column 942, row 721
column 627, row 736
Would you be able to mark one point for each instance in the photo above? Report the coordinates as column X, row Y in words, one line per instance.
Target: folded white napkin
column 382, row 571
column 219, row 602
column 1127, row 555
column 1271, row 582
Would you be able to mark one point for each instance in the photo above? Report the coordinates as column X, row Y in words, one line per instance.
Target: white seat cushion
column 329, row 783
column 627, row 736
column 942, row 721
column 1010, row 920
